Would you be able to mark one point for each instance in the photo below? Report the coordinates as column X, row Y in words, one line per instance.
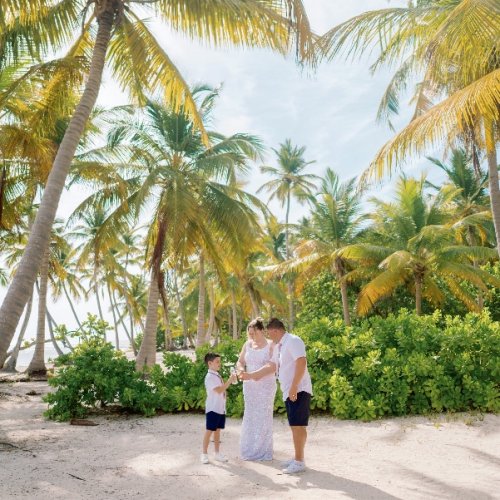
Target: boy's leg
column 217, row 440
column 299, row 434
column 206, row 441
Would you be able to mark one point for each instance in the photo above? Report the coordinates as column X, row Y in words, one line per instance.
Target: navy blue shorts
column 215, row 421
column 298, row 411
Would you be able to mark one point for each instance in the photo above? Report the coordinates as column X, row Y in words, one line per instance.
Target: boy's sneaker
column 204, row 458
column 295, row 467
column 220, row 457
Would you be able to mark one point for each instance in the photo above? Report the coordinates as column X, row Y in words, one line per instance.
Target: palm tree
column 452, row 47
column 419, row 249
column 334, row 222
column 140, row 65
column 176, row 174
column 289, row 180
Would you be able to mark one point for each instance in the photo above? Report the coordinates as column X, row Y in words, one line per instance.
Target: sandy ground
column 449, row 457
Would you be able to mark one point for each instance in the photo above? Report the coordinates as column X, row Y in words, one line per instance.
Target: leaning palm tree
column 419, row 250
column 452, row 49
column 289, row 181
column 114, row 30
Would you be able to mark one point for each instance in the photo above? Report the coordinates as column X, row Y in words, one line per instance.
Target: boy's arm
column 223, row 387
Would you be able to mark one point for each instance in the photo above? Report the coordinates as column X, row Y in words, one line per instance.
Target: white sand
column 449, row 457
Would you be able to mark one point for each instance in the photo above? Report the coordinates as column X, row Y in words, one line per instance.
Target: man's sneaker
column 220, row 457
column 204, row 458
column 286, row 463
column 295, row 467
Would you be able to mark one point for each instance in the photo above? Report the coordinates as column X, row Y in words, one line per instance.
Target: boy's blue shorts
column 215, row 421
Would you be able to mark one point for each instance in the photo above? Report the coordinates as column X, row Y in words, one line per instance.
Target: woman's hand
column 245, row 376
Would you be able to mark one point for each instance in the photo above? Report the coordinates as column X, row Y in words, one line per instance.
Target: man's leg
column 217, row 440
column 299, row 434
column 206, row 440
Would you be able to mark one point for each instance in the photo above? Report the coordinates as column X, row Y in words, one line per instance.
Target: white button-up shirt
column 216, row 401
column 289, row 349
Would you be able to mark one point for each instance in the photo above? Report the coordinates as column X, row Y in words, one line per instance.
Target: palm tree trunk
column 253, row 300
column 20, row 289
column 147, row 352
column 236, row 333
column 493, row 178
column 121, row 319
column 68, row 298
column 340, row 272
column 290, row 290
column 37, row 364
column 182, row 312
column 10, row 365
column 211, row 320
column 115, row 322
column 200, row 332
column 96, row 291
column 51, row 324
column 418, row 295
column 169, row 345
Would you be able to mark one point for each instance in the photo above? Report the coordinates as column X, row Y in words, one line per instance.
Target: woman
column 256, row 367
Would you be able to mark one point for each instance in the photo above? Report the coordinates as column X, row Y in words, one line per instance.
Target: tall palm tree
column 289, row 181
column 177, row 175
column 113, row 29
column 418, row 249
column 451, row 48
column 334, row 223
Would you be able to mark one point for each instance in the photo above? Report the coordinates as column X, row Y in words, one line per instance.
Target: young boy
column 215, row 405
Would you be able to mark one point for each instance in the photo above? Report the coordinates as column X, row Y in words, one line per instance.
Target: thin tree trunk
column 340, row 272
column 211, row 320
column 10, row 365
column 234, row 311
column 147, row 352
column 115, row 323
column 20, row 289
column 418, row 295
column 200, row 331
column 169, row 345
column 2, row 190
column 37, row 364
column 182, row 312
column 50, row 322
column 68, row 298
column 290, row 290
column 121, row 319
column 493, row 178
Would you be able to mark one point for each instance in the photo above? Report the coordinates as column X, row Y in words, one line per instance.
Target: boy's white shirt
column 292, row 348
column 216, row 401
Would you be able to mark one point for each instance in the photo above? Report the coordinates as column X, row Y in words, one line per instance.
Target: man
column 295, row 383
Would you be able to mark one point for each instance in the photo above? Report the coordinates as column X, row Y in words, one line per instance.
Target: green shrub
column 404, row 364
column 96, row 375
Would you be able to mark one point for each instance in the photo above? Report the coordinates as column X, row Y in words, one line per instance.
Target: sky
column 331, row 112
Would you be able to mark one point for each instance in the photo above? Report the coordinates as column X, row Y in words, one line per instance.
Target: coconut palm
column 419, row 249
column 334, row 222
column 177, row 175
column 114, row 30
column 289, row 181
column 452, row 48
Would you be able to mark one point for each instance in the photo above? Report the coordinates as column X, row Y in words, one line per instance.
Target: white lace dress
column 257, row 428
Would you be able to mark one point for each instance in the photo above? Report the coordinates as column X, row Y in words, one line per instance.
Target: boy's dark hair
column 210, row 356
column 275, row 324
column 256, row 323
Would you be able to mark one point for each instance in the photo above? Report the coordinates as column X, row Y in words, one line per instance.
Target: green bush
column 399, row 365
column 96, row 375
column 404, row 364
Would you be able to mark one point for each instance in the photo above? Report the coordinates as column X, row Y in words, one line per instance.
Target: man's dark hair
column 210, row 356
column 275, row 324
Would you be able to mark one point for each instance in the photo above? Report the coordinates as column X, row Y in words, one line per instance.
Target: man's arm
column 300, row 370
